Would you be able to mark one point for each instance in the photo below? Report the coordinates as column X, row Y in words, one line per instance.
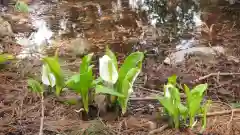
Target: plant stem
column 42, row 115
column 191, row 119
column 112, row 98
column 176, row 122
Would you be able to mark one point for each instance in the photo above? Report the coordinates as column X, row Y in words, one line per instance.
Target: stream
column 151, row 26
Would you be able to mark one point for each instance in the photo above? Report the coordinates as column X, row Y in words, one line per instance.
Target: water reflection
column 169, row 20
column 38, row 40
column 180, row 15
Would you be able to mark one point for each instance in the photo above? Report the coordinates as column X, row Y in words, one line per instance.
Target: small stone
column 5, row 28
column 80, row 46
column 152, row 125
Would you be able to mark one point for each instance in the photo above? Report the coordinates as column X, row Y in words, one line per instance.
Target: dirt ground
column 20, row 109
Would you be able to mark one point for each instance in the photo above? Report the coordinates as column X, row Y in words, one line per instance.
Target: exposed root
column 158, row 130
column 223, row 112
column 214, row 74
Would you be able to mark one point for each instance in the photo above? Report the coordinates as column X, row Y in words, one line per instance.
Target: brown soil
column 20, row 109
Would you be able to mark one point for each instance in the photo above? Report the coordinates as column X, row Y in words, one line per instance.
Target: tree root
column 158, row 130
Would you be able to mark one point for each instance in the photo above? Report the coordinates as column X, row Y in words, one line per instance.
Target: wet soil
column 93, row 25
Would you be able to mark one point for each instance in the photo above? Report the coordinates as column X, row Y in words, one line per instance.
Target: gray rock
column 179, row 56
column 5, row 28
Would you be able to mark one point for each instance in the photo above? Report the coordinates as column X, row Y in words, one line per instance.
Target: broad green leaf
column 132, row 75
column 81, row 84
column 200, row 89
column 171, row 108
column 112, row 56
column 194, row 107
column 183, row 110
column 86, row 80
column 204, row 112
column 132, row 61
column 55, row 68
column 35, row 86
column 106, row 90
column 176, row 95
column 97, row 81
column 195, row 101
column 188, row 94
column 167, row 103
column 172, row 80
column 5, row 58
column 74, row 83
column 172, row 92
column 21, row 6
column 74, row 78
column 86, row 61
column 126, row 91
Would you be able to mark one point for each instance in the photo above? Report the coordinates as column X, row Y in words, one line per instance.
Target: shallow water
column 124, row 25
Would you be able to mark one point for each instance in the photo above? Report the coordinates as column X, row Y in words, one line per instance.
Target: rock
column 232, row 58
column 179, row 56
column 80, row 46
column 5, row 28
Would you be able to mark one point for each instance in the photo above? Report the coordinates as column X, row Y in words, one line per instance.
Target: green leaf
column 183, row 110
column 55, row 68
column 130, row 62
column 199, row 89
column 5, row 58
column 188, row 94
column 167, row 103
column 112, row 56
column 81, row 83
column 194, row 107
column 126, row 91
column 21, row 6
column 86, row 80
column 85, row 63
column 97, row 81
column 172, row 80
column 205, row 110
column 171, row 102
column 73, row 83
column 106, row 90
column 171, row 108
column 132, row 75
column 35, row 86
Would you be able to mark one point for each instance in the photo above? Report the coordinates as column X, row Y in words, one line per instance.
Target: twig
column 150, row 90
column 231, row 119
column 214, row 74
column 182, row 95
column 223, row 112
column 143, row 99
column 158, row 130
column 42, row 115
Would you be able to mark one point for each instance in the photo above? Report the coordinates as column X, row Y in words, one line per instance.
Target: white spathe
column 105, row 63
column 167, row 92
column 47, row 77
